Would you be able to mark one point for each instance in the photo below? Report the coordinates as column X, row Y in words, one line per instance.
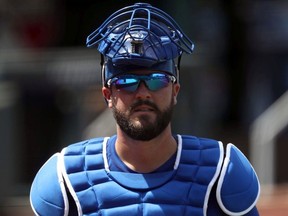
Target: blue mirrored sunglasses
column 130, row 82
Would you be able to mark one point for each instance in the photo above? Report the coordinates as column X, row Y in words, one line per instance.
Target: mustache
column 143, row 102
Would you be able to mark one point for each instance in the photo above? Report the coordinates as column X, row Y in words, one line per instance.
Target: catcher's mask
column 139, row 36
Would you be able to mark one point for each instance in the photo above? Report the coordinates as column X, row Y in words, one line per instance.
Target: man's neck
column 145, row 156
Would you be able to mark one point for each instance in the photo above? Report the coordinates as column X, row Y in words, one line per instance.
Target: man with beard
column 144, row 169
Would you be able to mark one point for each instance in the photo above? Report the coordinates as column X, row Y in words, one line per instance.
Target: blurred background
column 233, row 87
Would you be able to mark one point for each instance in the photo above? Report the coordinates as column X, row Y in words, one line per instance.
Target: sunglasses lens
column 126, row 83
column 130, row 83
column 157, row 81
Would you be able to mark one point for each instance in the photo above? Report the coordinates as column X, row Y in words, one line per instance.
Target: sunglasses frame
column 141, row 78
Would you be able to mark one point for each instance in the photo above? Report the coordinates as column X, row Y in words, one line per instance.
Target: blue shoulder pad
column 238, row 187
column 47, row 191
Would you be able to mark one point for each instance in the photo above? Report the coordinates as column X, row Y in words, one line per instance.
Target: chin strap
column 102, row 68
column 178, row 68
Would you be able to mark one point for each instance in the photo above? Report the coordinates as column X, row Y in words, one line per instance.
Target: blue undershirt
column 116, row 164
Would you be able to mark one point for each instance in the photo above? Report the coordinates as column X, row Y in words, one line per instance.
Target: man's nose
column 143, row 91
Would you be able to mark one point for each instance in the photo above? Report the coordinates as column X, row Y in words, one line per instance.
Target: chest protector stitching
column 183, row 191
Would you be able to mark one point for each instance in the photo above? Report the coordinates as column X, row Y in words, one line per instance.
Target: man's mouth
column 143, row 109
column 143, row 106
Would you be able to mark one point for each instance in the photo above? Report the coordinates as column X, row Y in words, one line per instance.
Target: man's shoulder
column 237, row 181
column 48, row 179
column 200, row 142
column 91, row 141
column 89, row 146
column 199, row 138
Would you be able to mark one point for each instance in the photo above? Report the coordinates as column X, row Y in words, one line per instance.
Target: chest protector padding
column 183, row 191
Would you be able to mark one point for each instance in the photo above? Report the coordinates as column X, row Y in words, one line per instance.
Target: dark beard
column 149, row 130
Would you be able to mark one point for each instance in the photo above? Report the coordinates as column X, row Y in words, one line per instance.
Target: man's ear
column 106, row 92
column 176, row 89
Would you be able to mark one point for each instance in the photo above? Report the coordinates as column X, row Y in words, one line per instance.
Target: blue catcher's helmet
column 139, row 36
